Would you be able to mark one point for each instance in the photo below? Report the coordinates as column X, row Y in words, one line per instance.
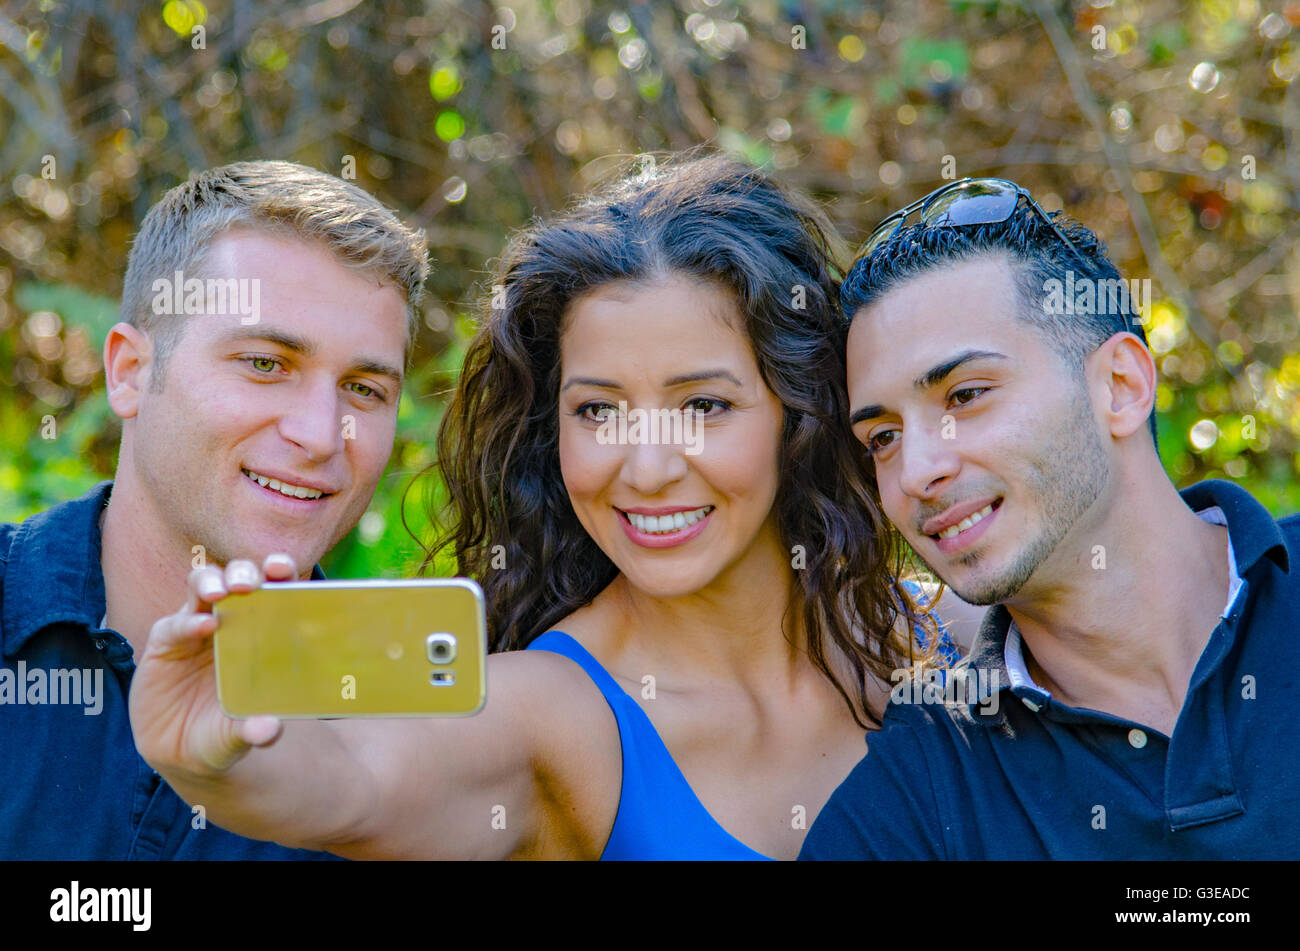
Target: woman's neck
column 732, row 628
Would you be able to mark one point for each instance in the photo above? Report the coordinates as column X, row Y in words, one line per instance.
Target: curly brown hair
column 710, row 218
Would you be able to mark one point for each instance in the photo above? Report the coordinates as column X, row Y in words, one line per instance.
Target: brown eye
column 881, row 441
column 702, row 405
column 596, row 412
column 972, row 392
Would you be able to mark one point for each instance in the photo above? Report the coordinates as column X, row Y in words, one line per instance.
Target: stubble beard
column 1065, row 478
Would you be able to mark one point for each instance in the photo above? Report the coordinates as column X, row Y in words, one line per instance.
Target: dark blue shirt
column 1029, row 777
column 72, row 785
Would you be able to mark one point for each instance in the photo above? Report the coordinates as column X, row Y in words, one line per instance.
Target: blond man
column 267, row 316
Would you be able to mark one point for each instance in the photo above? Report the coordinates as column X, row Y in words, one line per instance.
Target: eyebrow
column 306, row 348
column 930, row 378
column 678, row 380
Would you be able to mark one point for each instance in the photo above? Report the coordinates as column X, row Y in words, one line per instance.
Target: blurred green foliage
column 473, row 117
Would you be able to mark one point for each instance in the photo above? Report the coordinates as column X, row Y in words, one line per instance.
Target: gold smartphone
column 324, row 649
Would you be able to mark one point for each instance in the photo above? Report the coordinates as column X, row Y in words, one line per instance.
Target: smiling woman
column 752, row 556
column 657, row 277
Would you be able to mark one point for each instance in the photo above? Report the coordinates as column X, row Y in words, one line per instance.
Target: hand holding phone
column 175, row 714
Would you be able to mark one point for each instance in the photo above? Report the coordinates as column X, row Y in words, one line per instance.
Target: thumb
column 260, row 730
column 228, row 740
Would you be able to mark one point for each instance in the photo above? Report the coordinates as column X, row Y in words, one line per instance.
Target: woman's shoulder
column 568, row 656
column 546, row 685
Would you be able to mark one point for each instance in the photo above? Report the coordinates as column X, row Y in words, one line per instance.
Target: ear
column 128, row 357
column 1126, row 368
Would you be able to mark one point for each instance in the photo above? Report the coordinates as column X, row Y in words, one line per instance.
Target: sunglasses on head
column 971, row 201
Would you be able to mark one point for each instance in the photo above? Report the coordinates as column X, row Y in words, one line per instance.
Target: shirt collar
column 1252, row 533
column 55, row 575
column 988, row 653
column 1214, row 515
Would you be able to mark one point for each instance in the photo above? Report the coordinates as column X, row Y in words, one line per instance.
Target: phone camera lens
column 440, row 648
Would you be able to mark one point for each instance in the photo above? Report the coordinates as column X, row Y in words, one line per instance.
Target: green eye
column 264, row 364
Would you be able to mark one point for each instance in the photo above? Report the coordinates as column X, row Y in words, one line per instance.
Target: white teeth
column 953, row 530
column 284, row 488
column 665, row 524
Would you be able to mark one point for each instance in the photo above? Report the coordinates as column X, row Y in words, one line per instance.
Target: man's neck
column 145, row 568
column 1125, row 638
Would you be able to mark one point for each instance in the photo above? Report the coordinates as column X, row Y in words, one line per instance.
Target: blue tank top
column 659, row 816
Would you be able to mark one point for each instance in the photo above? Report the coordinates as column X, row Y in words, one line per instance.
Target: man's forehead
column 950, row 289
column 900, row 351
column 903, row 353
column 969, row 303
column 276, row 257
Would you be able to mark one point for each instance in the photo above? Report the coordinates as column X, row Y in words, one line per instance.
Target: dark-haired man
column 1143, row 639
column 266, row 316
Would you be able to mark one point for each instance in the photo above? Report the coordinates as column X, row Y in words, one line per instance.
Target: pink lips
column 967, row 538
column 665, row 539
column 955, row 514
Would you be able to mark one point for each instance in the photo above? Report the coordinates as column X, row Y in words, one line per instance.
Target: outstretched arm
column 535, row 772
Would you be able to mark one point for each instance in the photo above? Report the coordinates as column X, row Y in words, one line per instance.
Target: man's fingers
column 210, row 584
column 243, row 576
column 279, row 567
column 176, row 629
column 206, row 586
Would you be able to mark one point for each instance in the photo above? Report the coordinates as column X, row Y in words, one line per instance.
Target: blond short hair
column 276, row 197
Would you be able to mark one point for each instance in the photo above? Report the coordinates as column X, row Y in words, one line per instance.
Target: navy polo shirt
column 1029, row 777
column 72, row 785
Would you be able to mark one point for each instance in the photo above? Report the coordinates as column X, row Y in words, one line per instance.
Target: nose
column 927, row 461
column 651, row 467
column 312, row 420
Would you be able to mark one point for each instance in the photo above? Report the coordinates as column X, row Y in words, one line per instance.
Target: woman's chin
column 663, row 587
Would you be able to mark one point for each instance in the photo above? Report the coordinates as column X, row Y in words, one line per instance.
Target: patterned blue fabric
column 946, row 648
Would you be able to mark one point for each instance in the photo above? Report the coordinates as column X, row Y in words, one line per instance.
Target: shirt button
column 1137, row 739
column 1031, row 705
